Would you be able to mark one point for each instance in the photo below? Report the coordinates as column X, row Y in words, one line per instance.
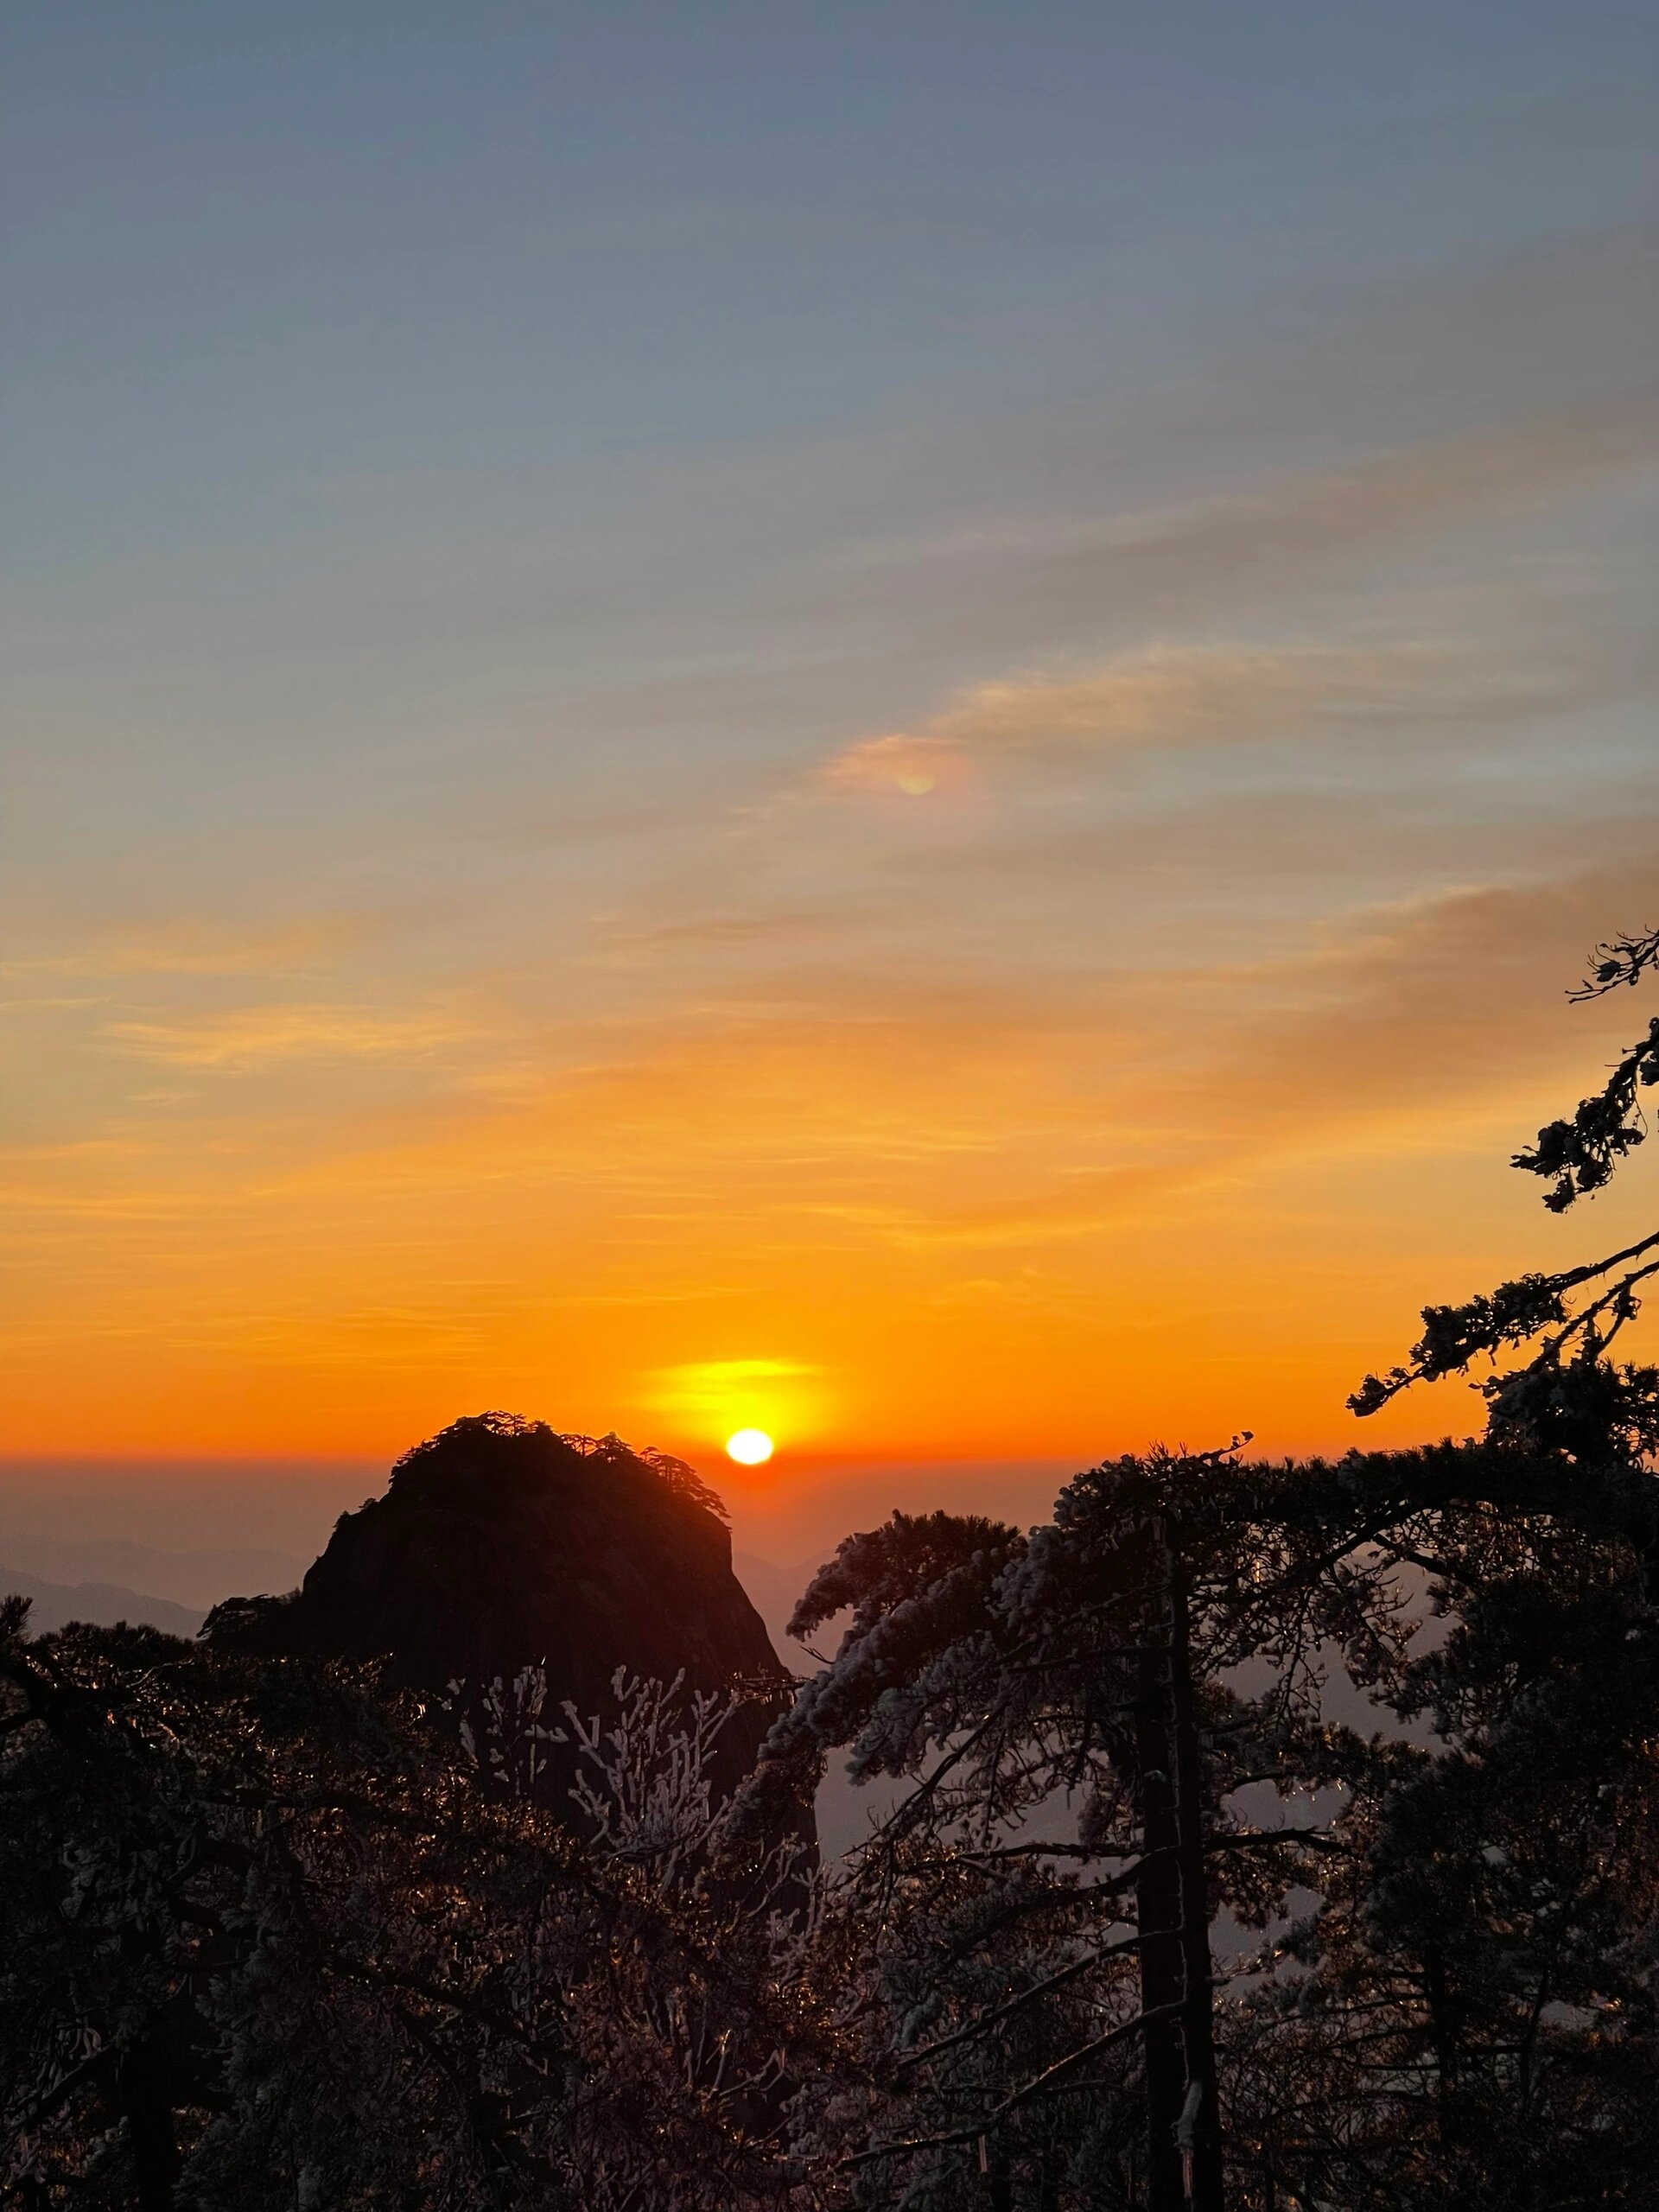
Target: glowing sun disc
column 750, row 1447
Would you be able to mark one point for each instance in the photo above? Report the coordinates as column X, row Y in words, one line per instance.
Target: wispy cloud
column 194, row 946
column 1192, row 694
column 249, row 1038
column 1104, row 564
column 727, row 1390
column 1393, row 1026
column 1307, row 521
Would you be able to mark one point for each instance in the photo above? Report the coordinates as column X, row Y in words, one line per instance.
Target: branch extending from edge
column 1622, row 960
column 994, row 2017
column 1046, row 2080
column 1580, row 1155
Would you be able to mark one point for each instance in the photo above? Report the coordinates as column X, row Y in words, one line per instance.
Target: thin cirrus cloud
column 696, row 1383
column 1399, row 1024
column 1409, row 1014
column 1186, row 696
column 896, row 1107
column 246, row 1039
column 999, row 1123
column 1116, row 566
column 711, row 1397
column 188, row 946
column 1308, row 526
column 1408, row 1011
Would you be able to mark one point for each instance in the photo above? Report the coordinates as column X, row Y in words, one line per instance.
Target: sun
column 750, row 1447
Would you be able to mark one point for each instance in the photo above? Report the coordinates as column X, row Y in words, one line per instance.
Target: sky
column 897, row 723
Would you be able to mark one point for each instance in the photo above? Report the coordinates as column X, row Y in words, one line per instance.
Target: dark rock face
column 501, row 1545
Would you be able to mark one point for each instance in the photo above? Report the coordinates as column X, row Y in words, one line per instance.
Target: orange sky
column 952, row 824
column 976, row 1224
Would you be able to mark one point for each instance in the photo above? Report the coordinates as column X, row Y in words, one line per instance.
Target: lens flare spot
column 750, row 1447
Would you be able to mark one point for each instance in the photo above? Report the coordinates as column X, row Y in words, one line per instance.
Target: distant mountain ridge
column 196, row 1579
column 54, row 1604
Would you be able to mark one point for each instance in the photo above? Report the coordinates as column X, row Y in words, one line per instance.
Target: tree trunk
column 1002, row 2181
column 1444, row 2032
column 1203, row 2128
column 1172, row 1910
column 146, row 2092
column 1158, row 1915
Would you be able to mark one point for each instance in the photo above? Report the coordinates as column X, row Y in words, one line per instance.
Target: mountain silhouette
column 501, row 1545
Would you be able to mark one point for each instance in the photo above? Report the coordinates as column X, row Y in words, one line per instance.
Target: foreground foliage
column 268, row 1937
column 265, row 1938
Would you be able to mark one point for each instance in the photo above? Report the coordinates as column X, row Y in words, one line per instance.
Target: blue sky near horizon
column 697, row 692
